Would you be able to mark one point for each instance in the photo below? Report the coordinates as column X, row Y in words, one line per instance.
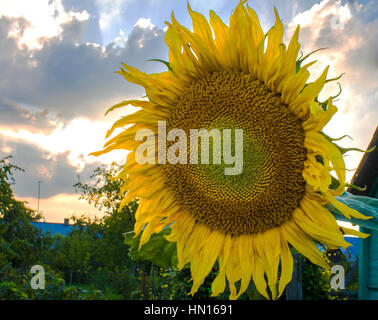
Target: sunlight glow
column 80, row 137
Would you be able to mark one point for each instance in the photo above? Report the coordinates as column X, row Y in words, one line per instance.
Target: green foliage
column 22, row 246
column 20, row 241
column 315, row 281
column 104, row 191
column 100, row 258
column 15, row 285
column 158, row 250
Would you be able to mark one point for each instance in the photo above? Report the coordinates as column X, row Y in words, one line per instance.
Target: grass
column 108, row 292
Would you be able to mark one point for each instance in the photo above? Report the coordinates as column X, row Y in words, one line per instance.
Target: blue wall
column 53, row 228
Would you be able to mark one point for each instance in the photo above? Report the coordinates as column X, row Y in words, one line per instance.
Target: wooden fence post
column 294, row 287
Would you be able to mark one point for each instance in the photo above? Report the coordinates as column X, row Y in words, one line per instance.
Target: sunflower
column 235, row 76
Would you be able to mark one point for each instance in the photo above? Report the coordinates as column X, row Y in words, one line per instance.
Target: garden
column 100, row 258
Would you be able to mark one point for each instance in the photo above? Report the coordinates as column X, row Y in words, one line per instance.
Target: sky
column 58, row 58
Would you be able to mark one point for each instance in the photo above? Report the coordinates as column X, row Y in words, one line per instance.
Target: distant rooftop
column 54, row 228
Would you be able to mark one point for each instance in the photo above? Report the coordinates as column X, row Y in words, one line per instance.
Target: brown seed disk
column 270, row 186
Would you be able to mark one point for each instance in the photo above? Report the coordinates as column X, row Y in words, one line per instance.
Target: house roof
column 53, row 228
column 367, row 171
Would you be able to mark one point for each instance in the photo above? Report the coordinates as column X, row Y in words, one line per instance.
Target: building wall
column 368, row 266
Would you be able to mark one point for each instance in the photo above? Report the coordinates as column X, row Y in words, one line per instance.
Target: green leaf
column 334, row 184
column 157, row 250
column 162, row 61
column 301, row 59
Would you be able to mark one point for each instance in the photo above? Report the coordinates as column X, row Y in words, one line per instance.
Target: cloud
column 70, row 77
column 109, row 10
column 56, row 172
column 77, row 139
column 347, row 34
column 53, row 96
column 349, row 31
column 44, row 18
column 17, row 117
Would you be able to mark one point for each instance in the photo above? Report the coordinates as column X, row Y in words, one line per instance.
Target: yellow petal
column 345, row 210
column 303, row 243
column 287, row 65
column 258, row 276
column 309, row 93
column 274, row 36
column 256, row 30
column 318, row 117
column 203, row 261
column 329, row 238
column 287, row 264
column 221, row 37
column 356, row 233
column 291, row 86
column 202, row 28
column 141, row 117
column 318, row 143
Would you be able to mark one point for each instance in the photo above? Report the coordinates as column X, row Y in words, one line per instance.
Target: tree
column 21, row 244
column 20, row 241
column 104, row 194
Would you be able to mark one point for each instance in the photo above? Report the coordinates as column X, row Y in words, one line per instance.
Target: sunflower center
column 270, row 185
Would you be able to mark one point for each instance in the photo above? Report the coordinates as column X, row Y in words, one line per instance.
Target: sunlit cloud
column 79, row 138
column 44, row 19
column 144, row 23
column 109, row 10
column 340, row 29
column 314, row 17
